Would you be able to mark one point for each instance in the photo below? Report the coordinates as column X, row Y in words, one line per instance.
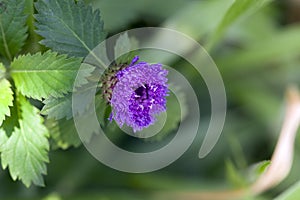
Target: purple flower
column 139, row 94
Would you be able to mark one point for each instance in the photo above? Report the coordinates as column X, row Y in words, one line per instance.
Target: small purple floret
column 139, row 95
column 134, row 60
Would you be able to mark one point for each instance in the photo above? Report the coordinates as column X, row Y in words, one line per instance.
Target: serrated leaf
column 12, row 28
column 3, row 138
column 63, row 132
column 59, row 108
column 11, row 122
column 6, row 99
column 25, row 152
column 68, row 27
column 237, row 10
column 40, row 76
column 123, row 46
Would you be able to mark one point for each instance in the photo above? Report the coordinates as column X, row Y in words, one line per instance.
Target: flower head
column 139, row 94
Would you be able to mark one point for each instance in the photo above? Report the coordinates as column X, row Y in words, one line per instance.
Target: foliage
column 13, row 28
column 42, row 75
column 26, row 150
column 6, row 97
column 68, row 27
column 43, row 43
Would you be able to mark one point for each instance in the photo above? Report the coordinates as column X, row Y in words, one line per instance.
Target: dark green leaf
column 68, row 27
column 12, row 28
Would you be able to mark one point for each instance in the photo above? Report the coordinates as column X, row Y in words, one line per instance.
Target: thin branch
column 279, row 168
column 282, row 158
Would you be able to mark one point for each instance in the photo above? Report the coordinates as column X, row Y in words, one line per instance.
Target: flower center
column 140, row 106
column 142, row 101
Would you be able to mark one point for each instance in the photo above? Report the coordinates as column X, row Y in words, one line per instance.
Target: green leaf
column 25, row 152
column 2, row 70
column 282, row 45
column 3, row 138
column 256, row 170
column 11, row 122
column 6, row 98
column 198, row 18
column 59, row 108
column 63, row 132
column 293, row 193
column 257, row 100
column 173, row 115
column 238, row 9
column 40, row 76
column 32, row 44
column 234, row 176
column 12, row 28
column 86, row 122
column 123, row 46
column 68, row 27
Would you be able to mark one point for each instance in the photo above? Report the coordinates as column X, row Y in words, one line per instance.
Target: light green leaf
column 282, row 45
column 63, row 132
column 243, row 178
column 25, row 152
column 123, row 46
column 40, row 76
column 293, row 193
column 68, row 27
column 238, row 9
column 234, row 176
column 6, row 98
column 3, row 138
column 256, row 170
column 12, row 28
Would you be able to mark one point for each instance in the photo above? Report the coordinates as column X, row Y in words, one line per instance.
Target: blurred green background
column 257, row 50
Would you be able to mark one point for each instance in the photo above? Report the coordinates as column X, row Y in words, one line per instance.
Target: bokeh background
column 258, row 55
